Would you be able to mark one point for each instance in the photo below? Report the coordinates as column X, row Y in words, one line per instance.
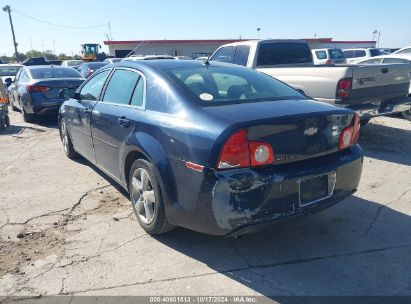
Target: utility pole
column 8, row 10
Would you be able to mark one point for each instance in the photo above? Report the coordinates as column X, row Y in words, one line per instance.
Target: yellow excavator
column 90, row 52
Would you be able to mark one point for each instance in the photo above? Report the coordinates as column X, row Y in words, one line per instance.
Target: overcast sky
column 192, row 19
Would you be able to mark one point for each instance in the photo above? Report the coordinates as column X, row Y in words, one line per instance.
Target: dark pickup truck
column 41, row 61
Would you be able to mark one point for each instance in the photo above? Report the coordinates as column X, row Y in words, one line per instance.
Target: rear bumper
column 239, row 201
column 386, row 108
column 45, row 107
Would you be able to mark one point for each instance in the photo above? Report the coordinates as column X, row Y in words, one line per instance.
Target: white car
column 8, row 72
column 72, row 63
column 112, row 60
column 387, row 59
column 405, row 52
column 328, row 56
column 359, row 54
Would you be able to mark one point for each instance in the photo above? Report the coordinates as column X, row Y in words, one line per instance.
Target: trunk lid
column 295, row 129
column 56, row 85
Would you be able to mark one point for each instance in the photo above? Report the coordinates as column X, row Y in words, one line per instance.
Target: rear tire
column 146, row 198
column 407, row 115
column 66, row 140
column 26, row 117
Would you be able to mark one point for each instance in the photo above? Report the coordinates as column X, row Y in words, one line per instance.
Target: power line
column 61, row 25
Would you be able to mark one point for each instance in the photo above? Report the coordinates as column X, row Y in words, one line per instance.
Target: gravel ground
column 65, row 229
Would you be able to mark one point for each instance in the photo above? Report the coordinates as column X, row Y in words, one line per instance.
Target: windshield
column 9, row 70
column 222, row 85
column 54, row 72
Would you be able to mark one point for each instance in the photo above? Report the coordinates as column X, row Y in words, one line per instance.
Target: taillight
column 238, row 152
column 235, row 153
column 350, row 135
column 329, row 61
column 344, row 88
column 34, row 88
column 261, row 154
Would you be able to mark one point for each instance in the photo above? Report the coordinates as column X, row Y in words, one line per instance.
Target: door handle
column 124, row 122
column 384, row 70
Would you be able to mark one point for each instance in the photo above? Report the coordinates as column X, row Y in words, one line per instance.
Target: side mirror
column 8, row 81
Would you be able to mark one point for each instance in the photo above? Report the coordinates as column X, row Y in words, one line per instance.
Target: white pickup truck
column 370, row 90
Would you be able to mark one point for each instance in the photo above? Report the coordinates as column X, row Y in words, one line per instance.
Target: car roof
column 161, row 64
column 32, row 67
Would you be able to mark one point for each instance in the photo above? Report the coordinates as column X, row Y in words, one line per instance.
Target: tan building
column 197, row 48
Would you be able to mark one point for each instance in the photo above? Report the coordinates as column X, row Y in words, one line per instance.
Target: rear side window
column 138, row 95
column 349, row 54
column 321, row 55
column 241, row 55
column 283, row 53
column 225, row 54
column 54, row 72
column 92, row 89
column 395, row 60
column 121, row 87
column 336, row 54
column 360, row 53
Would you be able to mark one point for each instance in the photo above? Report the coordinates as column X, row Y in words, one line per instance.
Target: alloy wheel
column 143, row 196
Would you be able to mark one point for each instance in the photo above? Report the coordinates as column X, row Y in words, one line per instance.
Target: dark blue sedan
column 40, row 90
column 215, row 148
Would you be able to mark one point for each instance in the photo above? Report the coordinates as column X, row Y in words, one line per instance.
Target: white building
column 197, row 48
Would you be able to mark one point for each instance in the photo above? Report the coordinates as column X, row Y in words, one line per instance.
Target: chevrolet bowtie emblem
column 311, row 131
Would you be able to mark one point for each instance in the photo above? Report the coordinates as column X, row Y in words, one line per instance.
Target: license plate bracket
column 314, row 189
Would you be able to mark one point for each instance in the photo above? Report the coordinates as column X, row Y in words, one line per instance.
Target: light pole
column 258, row 32
column 8, row 10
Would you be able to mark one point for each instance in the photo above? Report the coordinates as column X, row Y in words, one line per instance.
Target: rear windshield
column 283, row 53
column 336, row 54
column 9, row 70
column 222, row 85
column 54, row 72
column 376, row 52
column 74, row 63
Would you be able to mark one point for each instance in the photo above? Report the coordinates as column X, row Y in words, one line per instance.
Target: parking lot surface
column 66, row 229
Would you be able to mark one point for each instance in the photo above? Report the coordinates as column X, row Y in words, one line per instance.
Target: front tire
column 146, row 198
column 66, row 140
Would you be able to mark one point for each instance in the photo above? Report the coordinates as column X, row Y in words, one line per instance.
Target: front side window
column 121, row 87
column 321, row 55
column 92, row 89
column 221, row 85
column 283, row 53
column 241, row 55
column 225, row 54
